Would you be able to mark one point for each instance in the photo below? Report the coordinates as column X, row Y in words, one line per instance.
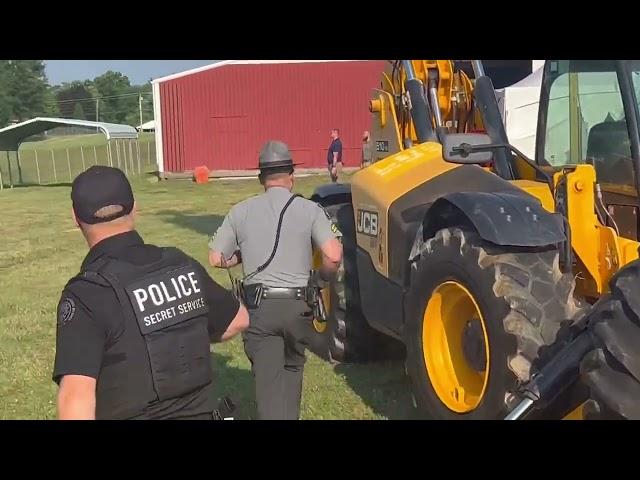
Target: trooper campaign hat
column 275, row 154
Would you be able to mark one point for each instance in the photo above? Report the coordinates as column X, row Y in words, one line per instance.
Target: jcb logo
column 367, row 223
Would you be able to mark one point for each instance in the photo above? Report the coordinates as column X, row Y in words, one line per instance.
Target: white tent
column 518, row 105
column 149, row 126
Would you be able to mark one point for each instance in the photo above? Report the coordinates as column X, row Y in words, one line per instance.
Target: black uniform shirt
column 89, row 315
column 336, row 146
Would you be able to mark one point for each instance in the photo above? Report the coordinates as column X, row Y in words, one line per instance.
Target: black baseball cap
column 100, row 187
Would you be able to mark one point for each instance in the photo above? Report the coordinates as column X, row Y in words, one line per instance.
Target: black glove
column 320, row 278
column 612, row 369
column 327, row 275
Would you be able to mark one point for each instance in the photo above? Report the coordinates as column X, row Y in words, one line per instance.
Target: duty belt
column 253, row 294
column 285, row 293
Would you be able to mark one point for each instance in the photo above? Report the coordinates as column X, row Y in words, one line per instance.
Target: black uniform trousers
column 275, row 346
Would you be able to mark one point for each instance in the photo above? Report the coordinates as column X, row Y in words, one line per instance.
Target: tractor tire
column 346, row 336
column 516, row 299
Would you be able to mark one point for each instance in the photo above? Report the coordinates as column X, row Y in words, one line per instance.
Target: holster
column 251, row 295
column 314, row 296
column 224, row 410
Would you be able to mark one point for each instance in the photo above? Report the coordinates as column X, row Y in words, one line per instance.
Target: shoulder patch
column 334, row 227
column 66, row 311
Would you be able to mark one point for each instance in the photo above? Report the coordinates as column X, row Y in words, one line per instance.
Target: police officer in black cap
column 271, row 235
column 135, row 325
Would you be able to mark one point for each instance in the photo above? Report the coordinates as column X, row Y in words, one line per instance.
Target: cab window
column 586, row 120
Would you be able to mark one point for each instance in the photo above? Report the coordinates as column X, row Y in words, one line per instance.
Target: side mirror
column 456, row 148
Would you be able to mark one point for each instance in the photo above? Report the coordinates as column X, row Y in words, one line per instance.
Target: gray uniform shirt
column 250, row 226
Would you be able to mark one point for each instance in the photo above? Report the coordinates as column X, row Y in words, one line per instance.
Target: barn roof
column 223, row 63
column 12, row 136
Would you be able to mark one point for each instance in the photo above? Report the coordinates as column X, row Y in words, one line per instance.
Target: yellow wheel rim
column 576, row 414
column 319, row 326
column 459, row 383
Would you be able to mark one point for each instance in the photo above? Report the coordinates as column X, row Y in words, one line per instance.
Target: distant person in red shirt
column 334, row 155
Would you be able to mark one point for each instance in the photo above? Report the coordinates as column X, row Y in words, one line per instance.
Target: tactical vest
column 161, row 351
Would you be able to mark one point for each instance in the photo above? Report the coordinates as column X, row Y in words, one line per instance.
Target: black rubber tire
column 348, row 337
column 611, row 370
column 523, row 296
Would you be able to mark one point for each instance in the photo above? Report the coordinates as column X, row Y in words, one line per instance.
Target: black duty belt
column 255, row 293
column 285, row 293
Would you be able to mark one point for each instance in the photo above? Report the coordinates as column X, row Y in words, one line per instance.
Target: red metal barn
column 220, row 115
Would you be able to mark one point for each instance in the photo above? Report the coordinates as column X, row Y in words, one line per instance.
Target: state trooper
column 135, row 325
column 272, row 235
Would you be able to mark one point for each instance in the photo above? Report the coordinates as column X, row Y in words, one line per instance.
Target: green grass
column 40, row 249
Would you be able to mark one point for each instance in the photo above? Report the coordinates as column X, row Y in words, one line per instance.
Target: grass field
column 40, row 249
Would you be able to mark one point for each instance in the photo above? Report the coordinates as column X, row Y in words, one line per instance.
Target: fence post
column 82, row 155
column 124, row 155
column 20, row 179
column 53, row 161
column 133, row 168
column 138, row 156
column 95, row 156
column 10, row 174
column 109, row 153
column 132, row 163
column 69, row 164
column 124, row 158
column 37, row 166
column 118, row 153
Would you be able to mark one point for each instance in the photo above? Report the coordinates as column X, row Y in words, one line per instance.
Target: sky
column 138, row 71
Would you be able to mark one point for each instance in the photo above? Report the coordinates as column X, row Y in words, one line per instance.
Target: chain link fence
column 38, row 165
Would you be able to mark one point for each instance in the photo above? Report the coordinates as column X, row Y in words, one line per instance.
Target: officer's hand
column 612, row 369
column 238, row 325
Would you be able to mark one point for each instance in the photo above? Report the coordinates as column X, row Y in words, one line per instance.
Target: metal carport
column 12, row 136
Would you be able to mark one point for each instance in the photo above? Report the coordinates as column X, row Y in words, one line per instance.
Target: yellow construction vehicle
column 472, row 256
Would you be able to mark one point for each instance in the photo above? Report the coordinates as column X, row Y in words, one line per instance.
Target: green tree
column 27, row 88
column 24, row 91
column 78, row 112
column 113, row 95
column 51, row 104
column 115, row 104
column 5, row 98
column 69, row 95
column 133, row 117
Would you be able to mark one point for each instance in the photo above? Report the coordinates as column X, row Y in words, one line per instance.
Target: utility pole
column 97, row 109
